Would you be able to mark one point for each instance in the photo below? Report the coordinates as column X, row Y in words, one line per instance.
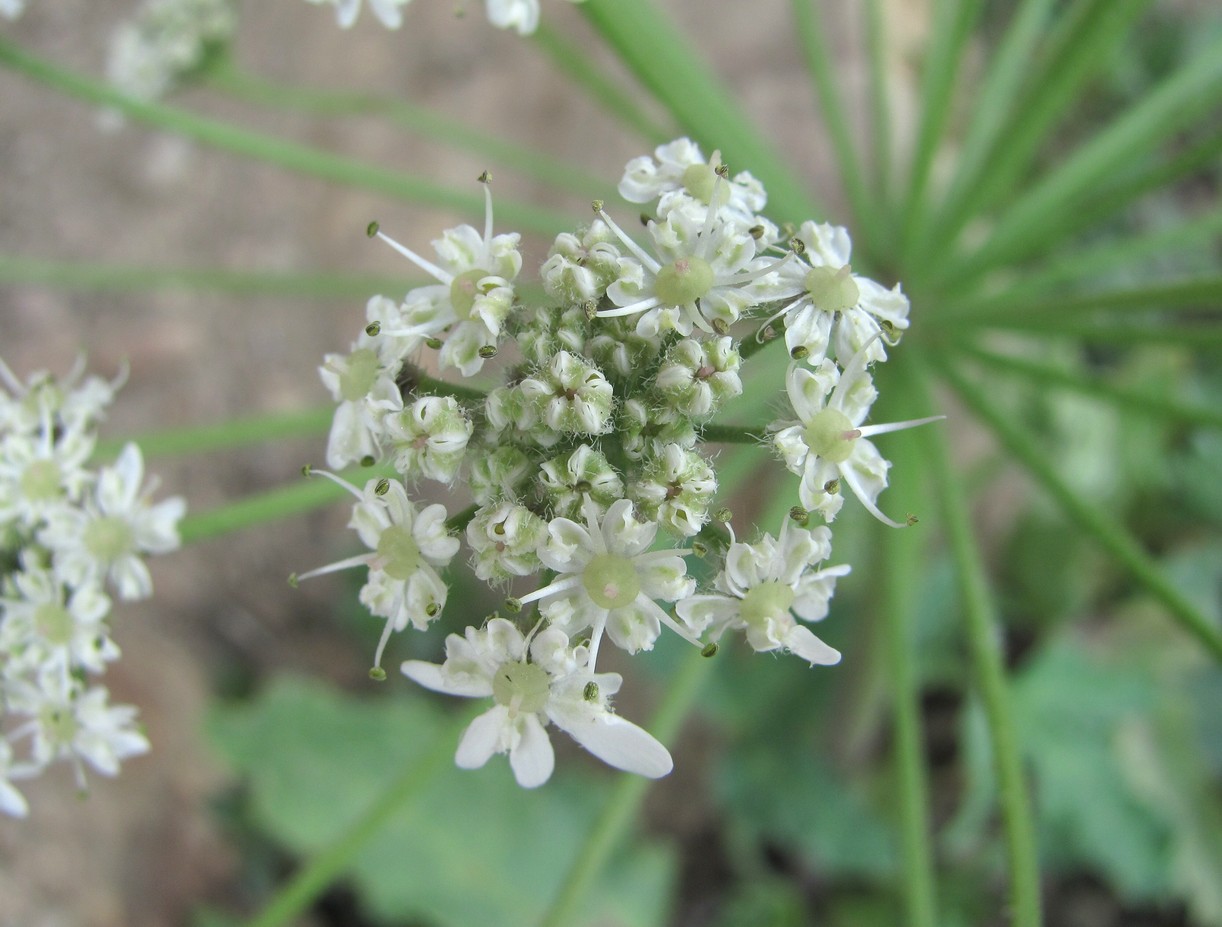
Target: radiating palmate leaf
column 315, row 759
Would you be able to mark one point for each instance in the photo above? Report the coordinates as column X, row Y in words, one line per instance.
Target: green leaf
column 472, row 848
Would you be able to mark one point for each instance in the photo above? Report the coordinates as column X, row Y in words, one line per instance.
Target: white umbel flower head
column 104, row 538
column 762, row 587
column 609, row 580
column 407, row 547
column 827, row 445
column 532, row 684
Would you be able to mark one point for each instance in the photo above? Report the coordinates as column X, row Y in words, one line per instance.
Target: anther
column 709, row 650
column 434, row 343
column 485, row 177
column 513, row 606
column 382, row 487
column 377, row 674
column 372, row 229
column 800, row 515
column 800, row 352
column 373, row 329
column 487, row 352
column 590, row 692
column 368, row 460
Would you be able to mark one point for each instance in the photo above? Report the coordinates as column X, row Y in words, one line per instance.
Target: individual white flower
column 679, row 167
column 699, row 376
column 572, row 395
column 407, row 547
column 522, row 15
column 78, row 726
column 532, row 685
column 42, row 472
column 580, row 267
column 676, row 489
column 700, row 275
column 497, row 472
column 73, row 401
column 609, row 579
column 115, row 524
column 390, row 12
column 363, row 382
column 827, row 445
column 565, row 481
column 828, row 308
column 474, row 290
column 429, row 438
column 45, row 622
column 504, row 541
column 762, row 587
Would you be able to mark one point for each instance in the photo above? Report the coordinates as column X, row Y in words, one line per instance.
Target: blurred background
column 778, row 812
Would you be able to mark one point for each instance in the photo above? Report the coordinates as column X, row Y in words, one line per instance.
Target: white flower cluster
column 520, row 15
column 69, row 535
column 11, row 9
column 590, row 450
column 165, row 40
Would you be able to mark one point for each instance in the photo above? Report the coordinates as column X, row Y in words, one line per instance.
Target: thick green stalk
column 201, row 439
column 984, row 640
column 1107, row 533
column 902, row 550
column 848, row 158
column 498, row 154
column 82, row 275
column 277, row 151
column 732, row 434
column 626, row 798
column 669, row 67
column 309, row 882
column 572, row 61
column 1126, row 401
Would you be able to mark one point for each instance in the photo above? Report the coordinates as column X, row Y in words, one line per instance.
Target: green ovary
column 830, row 435
column 54, row 622
column 398, row 553
column 683, row 281
column 699, row 180
column 521, row 687
column 611, row 581
column 58, row 724
column 359, row 375
column 765, row 601
column 832, row 289
column 463, row 291
column 41, row 481
column 108, row 538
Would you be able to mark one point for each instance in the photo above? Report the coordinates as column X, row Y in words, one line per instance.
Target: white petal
column 432, row 676
column 532, row 759
column 482, row 738
column 619, row 743
column 803, row 643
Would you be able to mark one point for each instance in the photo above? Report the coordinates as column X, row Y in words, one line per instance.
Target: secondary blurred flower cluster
column 71, row 536
column 521, row 15
column 589, row 466
column 166, row 40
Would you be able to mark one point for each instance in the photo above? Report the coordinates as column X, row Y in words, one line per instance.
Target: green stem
column 309, row 882
column 200, row 439
column 903, row 555
column 1197, row 336
column 96, row 276
column 422, row 383
column 458, row 522
column 281, row 502
column 277, row 151
column 753, row 344
column 1126, row 401
column 732, row 434
column 1204, row 291
column 1107, row 533
column 984, row 639
column 613, row 821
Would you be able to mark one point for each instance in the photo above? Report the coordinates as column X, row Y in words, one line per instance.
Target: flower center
column 464, row 290
column 398, row 553
column 58, row 724
column 700, row 181
column 521, row 687
column 683, row 281
column 41, row 481
column 108, row 538
column 359, row 374
column 832, row 289
column 611, row 581
column 54, row 622
column 766, row 601
column 830, row 435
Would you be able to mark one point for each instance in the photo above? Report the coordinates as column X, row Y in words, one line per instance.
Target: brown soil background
column 144, row 849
